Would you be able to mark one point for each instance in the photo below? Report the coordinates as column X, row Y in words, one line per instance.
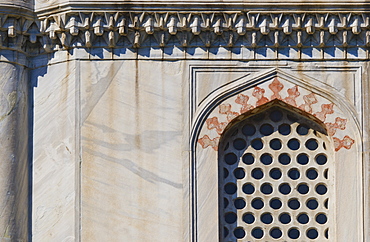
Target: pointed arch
column 274, row 156
column 275, row 103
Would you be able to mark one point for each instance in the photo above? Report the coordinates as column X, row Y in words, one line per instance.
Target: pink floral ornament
column 291, row 98
column 276, row 87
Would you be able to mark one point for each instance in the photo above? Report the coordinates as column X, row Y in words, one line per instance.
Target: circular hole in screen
column 248, row 188
column 293, row 144
column 311, row 144
column 321, row 159
column 239, row 233
column 275, row 203
column 248, row 218
column 230, row 188
column 230, row 158
column 257, row 233
column 284, row 129
column 275, row 144
column 275, row 173
column 248, row 159
column 321, row 218
column 311, row 174
column 294, row 174
column 257, row 173
column 230, row 218
column 257, row 144
column 266, row 159
column 266, row 188
column 294, row 204
column 285, row 218
column 303, row 188
column 266, row 218
column 312, row 203
column 248, row 130
column 275, row 233
column 312, row 233
column 302, row 159
column 284, row 159
column 293, row 233
column 266, row 129
column 239, row 173
column 257, row 203
column 303, row 218
column 302, row 129
column 284, row 188
column 321, row 189
column 239, row 203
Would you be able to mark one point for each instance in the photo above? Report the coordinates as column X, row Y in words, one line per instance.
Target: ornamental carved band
column 299, row 99
column 331, row 35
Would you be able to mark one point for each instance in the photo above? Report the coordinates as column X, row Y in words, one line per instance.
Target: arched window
column 276, row 177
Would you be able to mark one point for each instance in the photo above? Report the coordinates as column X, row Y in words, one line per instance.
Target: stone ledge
column 265, row 35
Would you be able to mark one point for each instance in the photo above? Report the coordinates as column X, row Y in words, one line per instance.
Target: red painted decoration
column 259, row 94
column 276, row 87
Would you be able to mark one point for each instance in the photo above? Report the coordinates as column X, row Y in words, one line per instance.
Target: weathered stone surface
column 14, row 166
column 131, row 167
column 55, row 154
column 132, row 130
column 115, row 110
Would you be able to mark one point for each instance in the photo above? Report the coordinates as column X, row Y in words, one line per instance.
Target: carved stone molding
column 334, row 34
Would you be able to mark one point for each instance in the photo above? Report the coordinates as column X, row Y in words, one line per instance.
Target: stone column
column 14, row 124
column 14, row 168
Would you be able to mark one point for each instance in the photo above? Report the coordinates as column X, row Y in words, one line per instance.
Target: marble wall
column 94, row 138
column 56, row 158
column 131, row 139
column 102, row 104
column 112, row 151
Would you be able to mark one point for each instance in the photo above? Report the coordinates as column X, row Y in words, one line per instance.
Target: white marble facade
column 107, row 109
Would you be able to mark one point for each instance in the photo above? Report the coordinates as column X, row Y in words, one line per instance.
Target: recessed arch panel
column 233, row 105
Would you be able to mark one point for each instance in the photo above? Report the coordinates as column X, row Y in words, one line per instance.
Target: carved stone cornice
column 231, row 30
column 47, row 7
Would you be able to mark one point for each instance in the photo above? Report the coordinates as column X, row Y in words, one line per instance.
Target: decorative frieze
column 135, row 30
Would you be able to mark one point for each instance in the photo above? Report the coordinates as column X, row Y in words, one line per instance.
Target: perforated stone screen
column 276, row 179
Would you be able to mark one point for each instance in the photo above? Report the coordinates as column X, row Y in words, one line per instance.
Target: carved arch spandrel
column 300, row 98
